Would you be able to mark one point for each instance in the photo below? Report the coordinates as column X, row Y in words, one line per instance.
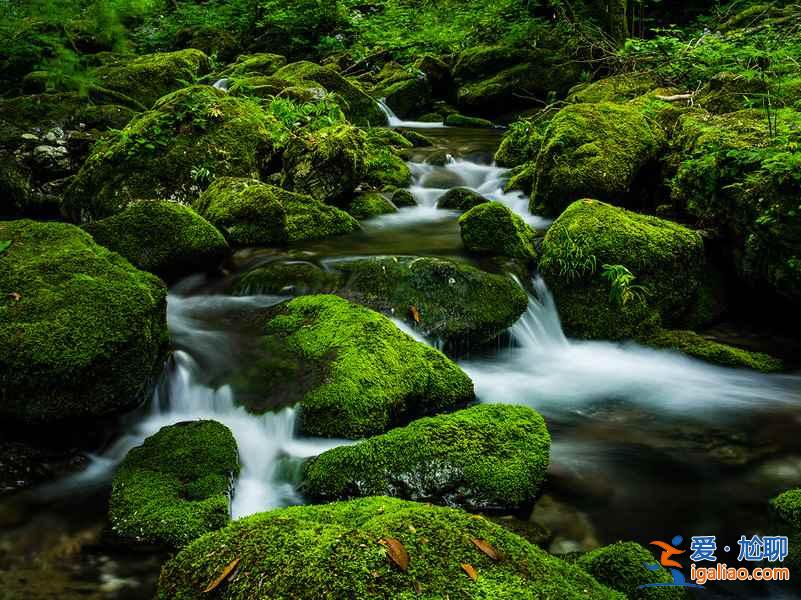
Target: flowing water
column 646, row 443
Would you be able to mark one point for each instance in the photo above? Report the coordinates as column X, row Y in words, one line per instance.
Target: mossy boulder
column 335, row 551
column 492, row 228
column 703, row 348
column 83, row 332
column 616, row 88
column 192, row 134
column 621, row 567
column 403, row 198
column 520, row 144
column 176, row 486
column 484, row 458
column 261, row 63
column 460, row 198
column 360, row 108
column 454, row 302
column 148, row 77
column 665, row 258
column 787, row 506
column 371, row 204
column 252, row 213
column 15, row 189
column 457, row 120
column 165, row 238
column 408, row 96
column 298, row 276
column 593, row 151
column 327, row 164
column 353, row 372
column 385, row 168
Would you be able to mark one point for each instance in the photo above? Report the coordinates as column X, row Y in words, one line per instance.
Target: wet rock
column 457, row 120
column 294, row 276
column 403, row 198
column 462, row 199
column 572, row 529
column 370, row 204
column 492, row 228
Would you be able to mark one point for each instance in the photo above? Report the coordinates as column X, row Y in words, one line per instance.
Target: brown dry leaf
column 418, row 589
column 226, row 573
column 470, row 570
column 15, row 296
column 415, row 314
column 397, row 552
column 486, row 548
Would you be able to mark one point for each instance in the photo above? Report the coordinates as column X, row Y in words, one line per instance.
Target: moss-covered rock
column 620, row 566
column 520, row 144
column 593, row 151
column 403, row 198
column 327, row 164
column 703, row 348
column 666, row 259
column 360, row 108
column 492, row 228
column 252, row 213
column 787, row 506
column 335, row 551
column 460, row 198
column 457, row 120
column 169, row 152
column 488, row 457
column 370, row 204
column 261, row 63
column 353, row 371
column 454, row 302
column 408, row 96
column 165, row 238
column 149, row 77
column 616, row 88
column 385, row 169
column 176, row 486
column 15, row 189
column 296, row 276
column 83, row 332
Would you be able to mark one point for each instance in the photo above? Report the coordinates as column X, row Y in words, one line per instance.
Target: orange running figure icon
column 667, row 552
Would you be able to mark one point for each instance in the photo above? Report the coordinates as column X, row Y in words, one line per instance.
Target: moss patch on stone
column 333, row 551
column 298, row 276
column 492, row 228
column 83, row 332
column 462, row 199
column 370, row 204
column 176, row 486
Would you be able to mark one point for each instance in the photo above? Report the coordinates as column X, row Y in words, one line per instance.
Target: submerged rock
column 457, row 120
column 252, row 213
column 176, row 486
column 165, row 238
column 83, row 332
column 353, row 372
column 492, row 228
column 297, row 276
column 460, row 198
column 341, row 550
column 481, row 458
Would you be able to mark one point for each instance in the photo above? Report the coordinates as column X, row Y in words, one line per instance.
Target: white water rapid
column 395, row 121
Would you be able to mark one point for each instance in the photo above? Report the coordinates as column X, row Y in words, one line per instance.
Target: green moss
column 408, row 96
column 332, row 551
column 620, row 566
column 455, row 303
column 261, row 63
column 460, row 198
column 165, row 238
column 666, row 258
column 592, row 151
column 252, row 213
column 492, row 228
column 457, row 120
column 176, row 486
column 403, row 198
column 276, row 277
column 260, row 86
column 481, row 458
column 415, row 138
column 149, row 77
column 160, row 152
column 616, row 88
column 370, row 375
column 520, row 144
column 385, row 168
column 87, row 334
column 360, row 108
column 15, row 189
column 787, row 506
column 698, row 346
column 370, row 204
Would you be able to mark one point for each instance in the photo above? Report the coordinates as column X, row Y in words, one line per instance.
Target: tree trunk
column 618, row 21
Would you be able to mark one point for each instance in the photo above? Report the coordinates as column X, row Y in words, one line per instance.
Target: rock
column 520, row 144
column 616, row 88
column 214, row 41
column 360, row 108
column 261, row 63
column 408, row 96
column 485, row 458
column 15, row 190
column 415, row 138
column 620, row 567
column 83, row 332
column 438, row 75
column 170, row 152
column 176, row 486
column 370, row 204
column 252, row 213
column 666, row 259
column 787, row 507
column 165, row 238
column 492, row 228
column 328, row 164
column 296, row 276
column 148, row 77
column 385, row 168
column 361, row 374
column 729, row 92
column 593, row 151
column 457, row 120
column 460, row 198
column 403, row 198
column 287, row 550
column 454, row 302
column 263, row 86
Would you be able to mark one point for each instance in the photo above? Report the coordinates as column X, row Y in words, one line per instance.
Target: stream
column 647, row 443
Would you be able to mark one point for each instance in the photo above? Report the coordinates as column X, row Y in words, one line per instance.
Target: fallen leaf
column 470, row 570
column 15, row 296
column 415, row 314
column 226, row 573
column 4, row 244
column 486, row 548
column 397, row 552
column 418, row 589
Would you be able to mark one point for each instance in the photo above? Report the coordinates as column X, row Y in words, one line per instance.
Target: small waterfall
column 546, row 370
column 395, row 121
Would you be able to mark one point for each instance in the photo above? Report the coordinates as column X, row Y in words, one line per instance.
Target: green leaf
column 4, row 244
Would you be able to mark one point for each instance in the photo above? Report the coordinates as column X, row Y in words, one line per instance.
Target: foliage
column 570, row 259
column 622, row 287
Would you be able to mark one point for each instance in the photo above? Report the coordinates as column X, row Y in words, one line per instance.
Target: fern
column 623, row 290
